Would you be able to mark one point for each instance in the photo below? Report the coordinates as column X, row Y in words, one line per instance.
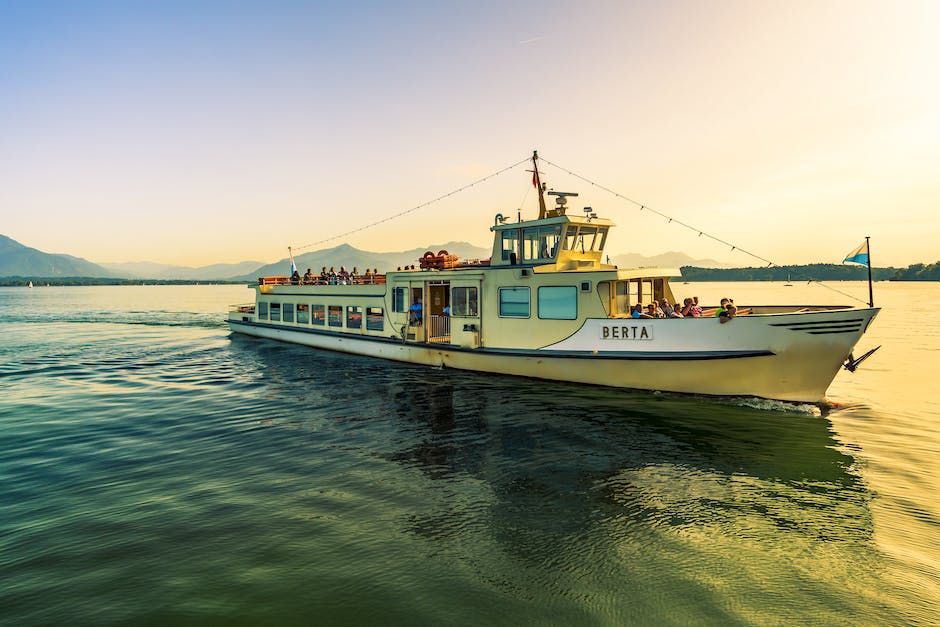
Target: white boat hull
column 791, row 357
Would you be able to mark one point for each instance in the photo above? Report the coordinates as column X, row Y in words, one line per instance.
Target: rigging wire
column 413, row 209
column 701, row 232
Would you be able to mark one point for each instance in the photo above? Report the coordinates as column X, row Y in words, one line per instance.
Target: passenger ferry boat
column 545, row 305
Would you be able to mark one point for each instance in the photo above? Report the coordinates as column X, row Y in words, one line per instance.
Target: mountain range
column 17, row 260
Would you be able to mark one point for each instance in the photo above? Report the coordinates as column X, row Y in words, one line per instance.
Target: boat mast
column 538, row 183
column 871, row 295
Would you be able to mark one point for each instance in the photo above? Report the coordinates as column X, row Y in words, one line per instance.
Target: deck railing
column 372, row 279
column 439, row 329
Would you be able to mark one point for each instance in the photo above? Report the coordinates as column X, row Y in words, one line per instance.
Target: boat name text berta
column 622, row 332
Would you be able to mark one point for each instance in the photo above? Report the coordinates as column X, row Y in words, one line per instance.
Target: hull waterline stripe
column 536, row 353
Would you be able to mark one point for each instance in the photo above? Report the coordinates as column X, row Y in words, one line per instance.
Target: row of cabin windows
column 554, row 302
column 464, row 301
column 322, row 315
column 540, row 243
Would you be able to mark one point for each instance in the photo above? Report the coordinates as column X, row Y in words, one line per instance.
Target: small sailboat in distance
column 788, row 284
column 30, row 284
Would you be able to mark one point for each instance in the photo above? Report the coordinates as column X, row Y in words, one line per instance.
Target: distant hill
column 19, row 260
column 346, row 255
column 160, row 271
column 664, row 260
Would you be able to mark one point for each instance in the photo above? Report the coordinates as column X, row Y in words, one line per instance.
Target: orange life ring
column 442, row 253
column 429, row 255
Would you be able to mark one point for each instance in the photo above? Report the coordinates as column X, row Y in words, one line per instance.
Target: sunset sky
column 207, row 132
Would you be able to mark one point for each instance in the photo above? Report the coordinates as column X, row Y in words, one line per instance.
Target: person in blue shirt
column 416, row 311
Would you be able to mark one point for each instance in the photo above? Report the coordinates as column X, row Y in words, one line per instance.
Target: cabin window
column 464, row 302
column 659, row 289
column 601, row 240
column 539, row 243
column 353, row 317
column 510, row 243
column 288, row 309
column 375, row 320
column 558, row 303
column 646, row 295
column 319, row 315
column 398, row 299
column 621, row 298
column 514, row 302
column 263, row 309
column 303, row 314
column 335, row 315
column 276, row 312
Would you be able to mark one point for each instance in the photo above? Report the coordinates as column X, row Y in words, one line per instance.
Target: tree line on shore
column 18, row 281
column 814, row 272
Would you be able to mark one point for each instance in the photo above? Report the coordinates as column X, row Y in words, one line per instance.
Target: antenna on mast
column 538, row 183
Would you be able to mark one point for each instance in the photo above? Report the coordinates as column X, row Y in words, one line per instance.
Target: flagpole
column 871, row 297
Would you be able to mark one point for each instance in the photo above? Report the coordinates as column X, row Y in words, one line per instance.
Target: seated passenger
column 308, row 277
column 638, row 312
column 676, row 311
column 324, row 277
column 721, row 307
column 666, row 308
column 653, row 311
column 727, row 313
column 295, row 278
column 332, row 280
column 416, row 311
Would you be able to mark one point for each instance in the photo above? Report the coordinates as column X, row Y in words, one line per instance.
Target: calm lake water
column 156, row 469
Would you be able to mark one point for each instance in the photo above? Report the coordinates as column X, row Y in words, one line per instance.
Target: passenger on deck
column 354, row 275
column 691, row 309
column 666, row 308
column 638, row 312
column 324, row 277
column 729, row 312
column 343, row 275
column 676, row 311
column 295, row 278
column 308, row 277
column 416, row 311
column 721, row 307
column 332, row 280
column 654, row 311
column 367, row 277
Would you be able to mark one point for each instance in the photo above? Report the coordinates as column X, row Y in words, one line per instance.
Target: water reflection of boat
column 545, row 305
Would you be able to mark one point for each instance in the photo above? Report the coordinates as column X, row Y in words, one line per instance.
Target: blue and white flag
column 293, row 266
column 859, row 255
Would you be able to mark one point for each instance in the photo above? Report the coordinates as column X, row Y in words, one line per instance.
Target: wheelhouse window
column 558, row 303
column 353, row 317
column 585, row 238
column 303, row 314
column 514, row 302
column 319, row 315
column 288, row 312
column 509, row 243
column 539, row 243
column 464, row 302
column 276, row 312
column 263, row 309
column 335, row 315
column 399, row 296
